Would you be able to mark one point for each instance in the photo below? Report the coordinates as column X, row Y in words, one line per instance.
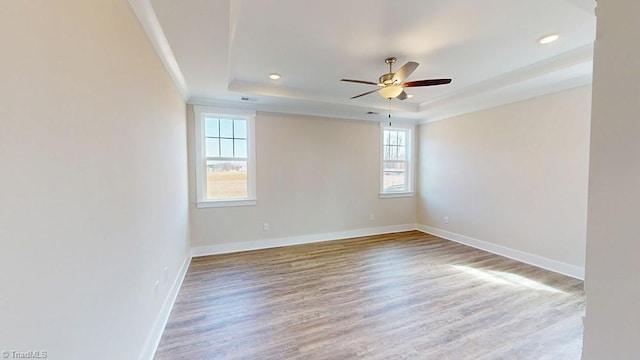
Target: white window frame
column 200, row 112
column 410, row 130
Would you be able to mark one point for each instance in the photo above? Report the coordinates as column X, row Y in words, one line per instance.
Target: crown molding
column 565, row 60
column 149, row 21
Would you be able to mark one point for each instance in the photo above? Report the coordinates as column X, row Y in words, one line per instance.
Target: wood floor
column 399, row 296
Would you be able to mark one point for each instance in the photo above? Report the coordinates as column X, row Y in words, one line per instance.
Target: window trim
column 410, row 129
column 200, row 111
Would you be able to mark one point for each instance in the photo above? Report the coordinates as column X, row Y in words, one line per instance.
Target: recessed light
column 274, row 76
column 548, row 39
column 409, row 96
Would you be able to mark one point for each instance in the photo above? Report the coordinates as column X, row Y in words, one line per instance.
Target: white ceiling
column 219, row 51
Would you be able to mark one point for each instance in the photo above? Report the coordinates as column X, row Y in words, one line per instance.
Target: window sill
column 224, row 203
column 390, row 195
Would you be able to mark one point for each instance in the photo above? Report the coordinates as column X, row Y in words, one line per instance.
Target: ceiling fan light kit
column 391, row 91
column 392, row 84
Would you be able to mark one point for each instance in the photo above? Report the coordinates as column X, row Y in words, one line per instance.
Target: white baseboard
column 535, row 260
column 295, row 240
column 153, row 340
column 531, row 259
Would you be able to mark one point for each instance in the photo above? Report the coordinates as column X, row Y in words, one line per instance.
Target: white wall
column 93, row 185
column 513, row 176
column 612, row 326
column 314, row 176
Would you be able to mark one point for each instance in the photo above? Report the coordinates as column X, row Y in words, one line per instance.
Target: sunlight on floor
column 504, row 278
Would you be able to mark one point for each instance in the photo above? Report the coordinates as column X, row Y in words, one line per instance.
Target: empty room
column 250, row 179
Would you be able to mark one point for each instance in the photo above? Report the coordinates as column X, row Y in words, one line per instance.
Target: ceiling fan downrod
column 387, row 79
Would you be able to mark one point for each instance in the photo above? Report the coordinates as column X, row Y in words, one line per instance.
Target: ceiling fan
column 392, row 85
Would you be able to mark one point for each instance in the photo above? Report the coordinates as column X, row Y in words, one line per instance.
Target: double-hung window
column 225, row 157
column 396, row 161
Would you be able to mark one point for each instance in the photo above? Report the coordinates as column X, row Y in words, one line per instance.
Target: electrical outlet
column 372, row 217
column 446, row 219
column 265, row 226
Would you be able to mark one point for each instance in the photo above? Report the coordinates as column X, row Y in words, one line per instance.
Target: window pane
column 393, row 153
column 226, row 128
column 394, row 166
column 226, row 148
column 212, row 147
column 386, row 152
column 394, row 177
column 402, row 153
column 401, row 138
column 240, row 148
column 211, row 127
column 226, row 180
column 240, row 129
column 386, row 137
column 393, row 138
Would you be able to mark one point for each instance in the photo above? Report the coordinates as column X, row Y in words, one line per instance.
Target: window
column 225, row 157
column 396, row 161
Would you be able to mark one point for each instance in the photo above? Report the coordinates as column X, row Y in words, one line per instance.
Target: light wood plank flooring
column 399, row 296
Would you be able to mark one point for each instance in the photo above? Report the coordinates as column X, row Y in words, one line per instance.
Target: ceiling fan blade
column 360, row 82
column 402, row 96
column 404, row 71
column 363, row 94
column 430, row 82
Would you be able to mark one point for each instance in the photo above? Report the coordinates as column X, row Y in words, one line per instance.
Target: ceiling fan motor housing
column 386, row 79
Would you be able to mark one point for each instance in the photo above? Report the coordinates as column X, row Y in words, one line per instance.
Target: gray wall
column 612, row 325
column 315, row 176
column 93, row 184
column 514, row 176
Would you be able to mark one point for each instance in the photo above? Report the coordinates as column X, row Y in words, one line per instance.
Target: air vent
column 251, row 99
column 372, row 113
